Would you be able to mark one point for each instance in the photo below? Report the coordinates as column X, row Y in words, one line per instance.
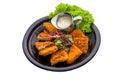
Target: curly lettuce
column 74, row 10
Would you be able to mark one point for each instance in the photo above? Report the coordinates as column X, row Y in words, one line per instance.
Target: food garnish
column 74, row 10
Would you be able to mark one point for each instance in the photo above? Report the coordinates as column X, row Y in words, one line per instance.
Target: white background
column 17, row 15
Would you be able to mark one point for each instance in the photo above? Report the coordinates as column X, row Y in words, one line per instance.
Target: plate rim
column 30, row 58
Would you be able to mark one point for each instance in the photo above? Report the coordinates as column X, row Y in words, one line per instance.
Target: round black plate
column 43, row 62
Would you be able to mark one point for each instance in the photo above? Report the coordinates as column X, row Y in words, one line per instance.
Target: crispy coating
column 48, row 50
column 59, row 56
column 45, row 31
column 49, row 27
column 77, row 33
column 73, row 54
column 80, row 40
column 43, row 36
column 42, row 45
column 81, row 43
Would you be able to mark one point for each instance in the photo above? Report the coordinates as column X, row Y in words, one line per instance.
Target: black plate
column 43, row 62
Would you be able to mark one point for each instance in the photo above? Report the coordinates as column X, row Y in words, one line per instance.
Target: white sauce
column 64, row 21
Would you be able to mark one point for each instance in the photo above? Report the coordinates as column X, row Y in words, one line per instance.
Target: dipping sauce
column 64, row 21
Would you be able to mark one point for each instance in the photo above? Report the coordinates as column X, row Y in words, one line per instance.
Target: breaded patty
column 42, row 45
column 43, row 36
column 80, row 40
column 59, row 56
column 73, row 54
column 77, row 33
column 49, row 27
column 48, row 50
column 81, row 43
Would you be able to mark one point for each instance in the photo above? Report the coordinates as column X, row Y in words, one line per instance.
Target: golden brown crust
column 73, row 54
column 45, row 31
column 81, row 43
column 59, row 56
column 77, row 33
column 48, row 50
column 49, row 27
column 80, row 40
column 43, row 36
column 42, row 45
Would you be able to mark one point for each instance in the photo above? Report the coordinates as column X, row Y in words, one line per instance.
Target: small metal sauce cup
column 55, row 19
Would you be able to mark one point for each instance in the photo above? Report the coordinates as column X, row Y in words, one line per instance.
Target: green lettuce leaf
column 74, row 10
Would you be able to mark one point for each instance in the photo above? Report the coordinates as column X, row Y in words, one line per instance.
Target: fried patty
column 73, row 54
column 49, row 27
column 59, row 56
column 80, row 40
column 42, row 45
column 48, row 50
